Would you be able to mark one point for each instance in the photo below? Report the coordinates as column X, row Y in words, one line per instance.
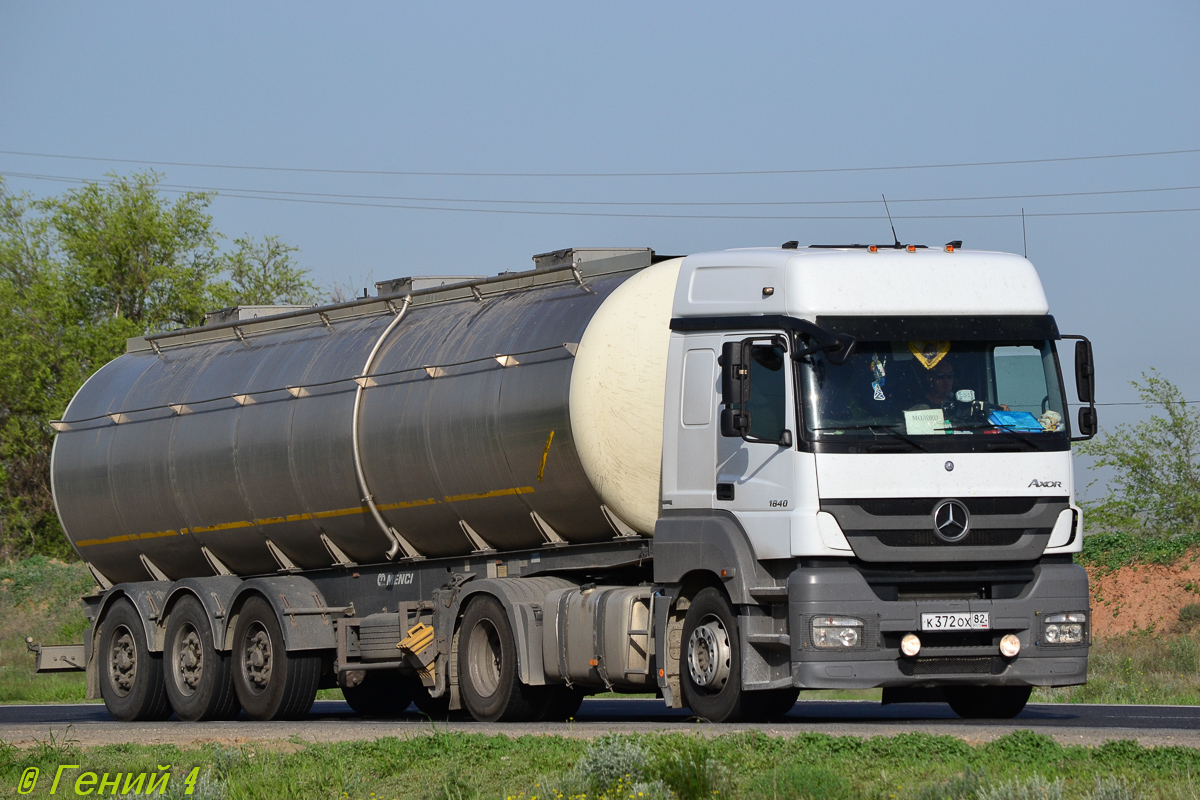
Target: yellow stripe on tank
column 340, row 512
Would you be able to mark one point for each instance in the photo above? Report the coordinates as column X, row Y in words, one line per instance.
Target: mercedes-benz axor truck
column 722, row 478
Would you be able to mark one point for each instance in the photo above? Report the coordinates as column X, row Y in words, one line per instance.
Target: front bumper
column 840, row 589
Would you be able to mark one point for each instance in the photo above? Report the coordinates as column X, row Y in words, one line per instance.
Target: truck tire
column 488, row 679
column 131, row 677
column 988, row 702
column 271, row 683
column 199, row 678
column 710, row 662
column 382, row 695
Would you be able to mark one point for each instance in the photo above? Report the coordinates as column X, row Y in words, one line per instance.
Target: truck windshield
column 923, row 392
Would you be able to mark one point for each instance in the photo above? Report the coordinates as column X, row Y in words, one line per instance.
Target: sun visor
column 1007, row 327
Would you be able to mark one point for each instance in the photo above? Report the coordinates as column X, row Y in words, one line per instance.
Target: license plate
column 960, row 621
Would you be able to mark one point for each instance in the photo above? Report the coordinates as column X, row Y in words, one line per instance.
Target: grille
column 932, row 640
column 997, row 537
column 965, row 665
column 916, row 506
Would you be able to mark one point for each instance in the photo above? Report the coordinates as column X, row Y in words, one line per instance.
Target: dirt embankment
column 1146, row 596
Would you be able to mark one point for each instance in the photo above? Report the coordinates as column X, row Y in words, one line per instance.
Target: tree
column 79, row 274
column 129, row 255
column 1155, row 487
column 263, row 274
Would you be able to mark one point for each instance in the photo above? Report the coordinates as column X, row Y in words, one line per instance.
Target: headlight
column 1065, row 628
column 837, row 633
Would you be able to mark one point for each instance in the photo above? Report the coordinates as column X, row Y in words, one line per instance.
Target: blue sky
column 651, row 87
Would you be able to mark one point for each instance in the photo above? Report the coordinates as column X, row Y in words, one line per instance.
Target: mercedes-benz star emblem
column 951, row 520
column 949, row 466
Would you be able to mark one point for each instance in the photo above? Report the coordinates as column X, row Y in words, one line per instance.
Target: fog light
column 910, row 645
column 836, row 633
column 1010, row 645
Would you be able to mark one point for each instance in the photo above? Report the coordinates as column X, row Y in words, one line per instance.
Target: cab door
column 755, row 475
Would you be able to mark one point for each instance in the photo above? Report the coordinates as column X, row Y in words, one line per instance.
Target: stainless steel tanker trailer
column 722, row 478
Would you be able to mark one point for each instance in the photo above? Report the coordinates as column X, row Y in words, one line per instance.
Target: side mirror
column 1085, row 372
column 1085, row 385
column 735, row 389
column 840, row 356
column 1088, row 424
column 734, row 422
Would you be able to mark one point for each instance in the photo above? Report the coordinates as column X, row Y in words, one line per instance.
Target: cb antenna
column 889, row 213
column 1024, row 241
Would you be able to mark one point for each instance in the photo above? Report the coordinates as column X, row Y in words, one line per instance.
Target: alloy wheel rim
column 709, row 655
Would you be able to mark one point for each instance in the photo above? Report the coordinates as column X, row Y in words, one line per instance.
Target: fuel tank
column 515, row 412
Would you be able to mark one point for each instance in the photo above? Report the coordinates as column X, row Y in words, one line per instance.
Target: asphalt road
column 330, row 720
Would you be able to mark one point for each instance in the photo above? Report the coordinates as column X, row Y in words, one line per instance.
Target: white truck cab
column 892, row 421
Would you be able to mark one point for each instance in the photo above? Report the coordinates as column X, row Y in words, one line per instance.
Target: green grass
column 445, row 766
column 39, row 597
column 1111, row 551
column 1138, row 667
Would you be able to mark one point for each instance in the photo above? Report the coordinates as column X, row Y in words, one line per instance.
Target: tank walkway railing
column 302, row 390
column 390, row 300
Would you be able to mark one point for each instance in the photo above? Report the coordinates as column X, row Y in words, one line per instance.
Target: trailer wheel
column 271, row 683
column 488, row 678
column 199, row 678
column 988, row 702
column 383, row 695
column 711, row 663
column 131, row 677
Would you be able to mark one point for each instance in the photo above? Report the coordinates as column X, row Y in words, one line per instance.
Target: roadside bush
column 795, row 781
column 453, row 787
column 1035, row 788
column 967, row 786
column 689, row 769
column 1183, row 654
column 1189, row 616
column 610, row 759
column 1114, row 788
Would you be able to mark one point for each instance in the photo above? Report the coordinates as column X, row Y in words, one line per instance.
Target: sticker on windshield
column 879, row 371
column 924, row 422
column 929, row 354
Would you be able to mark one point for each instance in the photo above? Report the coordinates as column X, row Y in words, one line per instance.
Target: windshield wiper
column 872, row 428
column 1032, row 443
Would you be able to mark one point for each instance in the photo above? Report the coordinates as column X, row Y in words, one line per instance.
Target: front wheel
column 710, row 662
column 988, row 702
column 271, row 683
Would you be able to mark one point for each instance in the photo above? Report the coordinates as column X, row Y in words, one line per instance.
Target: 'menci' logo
column 1035, row 483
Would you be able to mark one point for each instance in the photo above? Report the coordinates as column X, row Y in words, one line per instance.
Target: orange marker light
column 874, row 248
column 949, row 248
column 912, row 248
column 661, row 672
